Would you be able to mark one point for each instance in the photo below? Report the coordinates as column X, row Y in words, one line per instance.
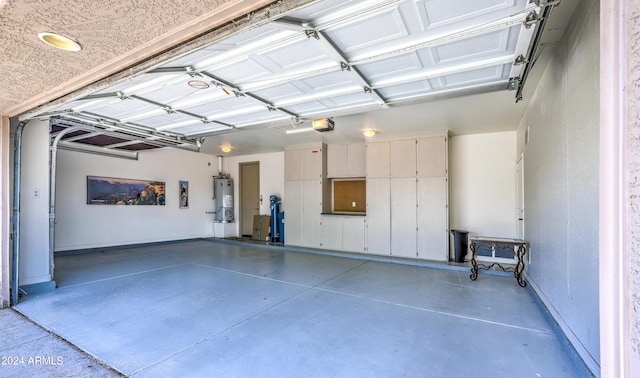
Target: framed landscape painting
column 118, row 191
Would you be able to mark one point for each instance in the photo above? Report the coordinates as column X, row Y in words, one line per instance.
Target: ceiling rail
column 530, row 60
column 96, row 125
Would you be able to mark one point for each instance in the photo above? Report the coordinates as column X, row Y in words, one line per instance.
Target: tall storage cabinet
column 433, row 222
column 305, row 194
column 293, row 212
column 433, row 198
column 378, row 216
column 407, row 198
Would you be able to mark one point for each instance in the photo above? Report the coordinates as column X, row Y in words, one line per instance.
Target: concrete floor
column 206, row 308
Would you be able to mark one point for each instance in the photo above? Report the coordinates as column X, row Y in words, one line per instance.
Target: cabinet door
column 353, row 234
column 311, row 213
column 377, row 159
column 312, row 164
column 332, row 232
column 433, row 228
column 402, row 158
column 403, row 217
column 378, row 217
column 337, row 157
column 356, row 158
column 432, row 156
column 293, row 165
column 292, row 206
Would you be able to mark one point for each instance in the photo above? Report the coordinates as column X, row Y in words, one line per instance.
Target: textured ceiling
column 113, row 34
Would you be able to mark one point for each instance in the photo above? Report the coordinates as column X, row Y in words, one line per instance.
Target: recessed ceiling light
column 59, row 41
column 225, row 148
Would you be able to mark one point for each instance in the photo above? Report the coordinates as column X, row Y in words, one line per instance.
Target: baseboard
column 361, row 256
column 584, row 362
column 114, row 247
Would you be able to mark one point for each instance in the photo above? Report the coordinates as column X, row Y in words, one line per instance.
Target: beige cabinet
column 336, row 160
column 311, row 213
column 433, row 230
column 331, row 232
column 305, row 193
column 346, row 160
column 403, row 217
column 293, row 165
column 292, row 207
column 378, row 216
column 353, row 233
column 402, row 158
column 312, row 163
column 377, row 160
column 343, row 233
column 356, row 153
column 432, row 156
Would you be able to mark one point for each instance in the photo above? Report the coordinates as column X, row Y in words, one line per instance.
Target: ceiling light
column 59, row 41
column 369, row 132
column 198, row 84
column 324, row 124
column 225, row 148
column 299, row 130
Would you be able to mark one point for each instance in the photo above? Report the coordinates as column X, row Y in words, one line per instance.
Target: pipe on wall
column 15, row 265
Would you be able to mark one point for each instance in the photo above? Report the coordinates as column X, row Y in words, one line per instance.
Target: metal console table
column 518, row 249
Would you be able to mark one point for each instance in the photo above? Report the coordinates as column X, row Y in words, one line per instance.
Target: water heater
column 223, row 196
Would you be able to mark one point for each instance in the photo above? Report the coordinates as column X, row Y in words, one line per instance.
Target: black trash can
column 460, row 242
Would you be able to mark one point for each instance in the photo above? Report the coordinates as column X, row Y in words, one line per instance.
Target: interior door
column 249, row 195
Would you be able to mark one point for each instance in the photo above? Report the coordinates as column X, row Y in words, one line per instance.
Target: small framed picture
column 184, row 194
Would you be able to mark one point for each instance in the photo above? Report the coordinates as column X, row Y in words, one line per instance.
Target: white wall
column 34, row 204
column 271, row 179
column 482, row 184
column 87, row 226
column 561, row 182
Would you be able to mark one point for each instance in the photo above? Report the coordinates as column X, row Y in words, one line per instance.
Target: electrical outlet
column 36, row 193
column 353, row 204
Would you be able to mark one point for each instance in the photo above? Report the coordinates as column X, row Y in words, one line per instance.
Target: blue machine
column 277, row 235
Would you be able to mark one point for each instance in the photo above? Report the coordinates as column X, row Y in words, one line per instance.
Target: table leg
column 520, row 266
column 474, row 269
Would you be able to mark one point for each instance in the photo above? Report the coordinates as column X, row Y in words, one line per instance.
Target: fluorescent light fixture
column 322, row 125
column 59, row 41
column 369, row 132
column 299, row 130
